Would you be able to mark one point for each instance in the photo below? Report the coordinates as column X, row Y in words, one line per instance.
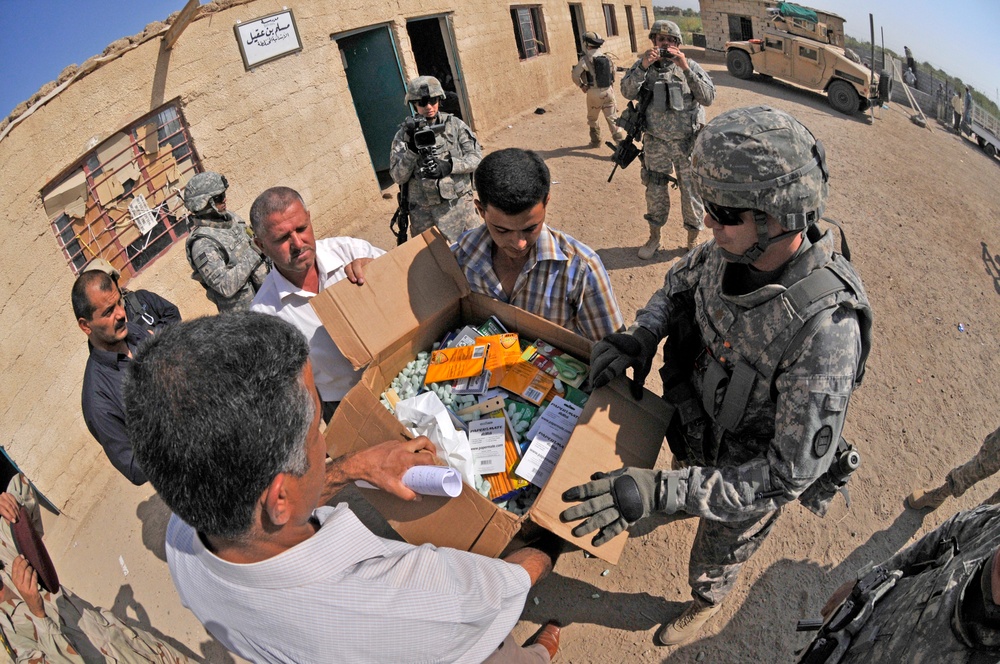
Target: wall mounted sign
column 267, row 38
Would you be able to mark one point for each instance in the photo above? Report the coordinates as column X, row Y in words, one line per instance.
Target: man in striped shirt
column 515, row 258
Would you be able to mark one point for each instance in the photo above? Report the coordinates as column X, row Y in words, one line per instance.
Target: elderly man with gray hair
column 224, row 416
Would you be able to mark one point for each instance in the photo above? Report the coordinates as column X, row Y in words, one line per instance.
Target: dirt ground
column 920, row 210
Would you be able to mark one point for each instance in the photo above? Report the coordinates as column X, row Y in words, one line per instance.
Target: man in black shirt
column 142, row 307
column 99, row 308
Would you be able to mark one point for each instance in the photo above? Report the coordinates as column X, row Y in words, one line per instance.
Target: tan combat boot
column 647, row 250
column 692, row 238
column 595, row 137
column 687, row 625
column 933, row 498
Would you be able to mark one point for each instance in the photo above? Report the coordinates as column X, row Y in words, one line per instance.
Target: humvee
column 798, row 48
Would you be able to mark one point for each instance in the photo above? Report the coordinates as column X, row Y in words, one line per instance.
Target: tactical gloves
column 409, row 125
column 613, row 502
column 616, row 352
column 435, row 168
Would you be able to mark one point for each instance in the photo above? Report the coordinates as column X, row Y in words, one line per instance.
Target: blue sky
column 41, row 37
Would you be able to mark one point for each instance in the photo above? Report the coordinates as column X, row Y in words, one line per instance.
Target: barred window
column 122, row 201
column 529, row 31
column 610, row 22
column 645, row 18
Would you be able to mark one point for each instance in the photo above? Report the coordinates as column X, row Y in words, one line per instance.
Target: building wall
column 289, row 121
column 715, row 20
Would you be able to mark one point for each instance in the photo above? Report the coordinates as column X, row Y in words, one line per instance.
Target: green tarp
column 790, row 10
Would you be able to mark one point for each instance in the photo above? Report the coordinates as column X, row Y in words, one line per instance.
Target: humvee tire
column 991, row 150
column 843, row 97
column 739, row 64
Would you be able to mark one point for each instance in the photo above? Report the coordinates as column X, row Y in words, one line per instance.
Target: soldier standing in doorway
column 680, row 89
column 434, row 155
column 595, row 75
column 219, row 250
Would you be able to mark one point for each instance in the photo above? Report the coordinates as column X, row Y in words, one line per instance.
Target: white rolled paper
column 433, row 481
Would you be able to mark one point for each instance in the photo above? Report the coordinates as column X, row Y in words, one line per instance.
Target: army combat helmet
column 202, row 189
column 424, row 86
column 764, row 160
column 665, row 28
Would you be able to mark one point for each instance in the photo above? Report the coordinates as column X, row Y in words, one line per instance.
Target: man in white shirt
column 224, row 416
column 302, row 268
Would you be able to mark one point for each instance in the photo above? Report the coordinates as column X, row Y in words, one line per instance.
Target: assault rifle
column 633, row 121
column 400, row 222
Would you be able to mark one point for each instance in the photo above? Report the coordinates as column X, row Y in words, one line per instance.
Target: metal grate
column 123, row 202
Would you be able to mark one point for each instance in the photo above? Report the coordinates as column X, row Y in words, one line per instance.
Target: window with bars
column 610, row 21
column 645, row 18
column 529, row 31
column 123, row 201
column 740, row 28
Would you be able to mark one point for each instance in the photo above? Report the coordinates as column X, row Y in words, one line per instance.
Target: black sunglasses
column 427, row 101
column 219, row 198
column 727, row 216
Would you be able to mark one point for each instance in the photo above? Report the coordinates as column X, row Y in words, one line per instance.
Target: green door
column 376, row 84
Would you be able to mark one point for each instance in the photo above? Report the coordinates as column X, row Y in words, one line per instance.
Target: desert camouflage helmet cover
column 592, row 38
column 665, row 28
column 202, row 188
column 424, row 86
column 762, row 159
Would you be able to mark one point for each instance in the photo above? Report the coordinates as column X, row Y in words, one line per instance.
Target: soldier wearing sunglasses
column 219, row 251
column 767, row 330
column 438, row 175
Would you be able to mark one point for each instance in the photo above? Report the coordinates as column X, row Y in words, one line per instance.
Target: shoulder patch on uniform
column 822, row 441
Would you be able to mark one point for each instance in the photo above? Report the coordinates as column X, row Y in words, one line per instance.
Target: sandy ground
column 920, row 210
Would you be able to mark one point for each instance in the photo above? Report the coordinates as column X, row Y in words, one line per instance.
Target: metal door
column 376, row 83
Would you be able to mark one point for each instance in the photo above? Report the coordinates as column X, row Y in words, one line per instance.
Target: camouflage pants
column 662, row 157
column 602, row 100
column 985, row 463
column 453, row 217
column 720, row 548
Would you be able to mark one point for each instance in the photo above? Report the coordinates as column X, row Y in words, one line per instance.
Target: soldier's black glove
column 409, row 125
column 435, row 168
column 616, row 352
column 614, row 501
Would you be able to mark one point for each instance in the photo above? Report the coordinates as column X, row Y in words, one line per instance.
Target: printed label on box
column 486, row 437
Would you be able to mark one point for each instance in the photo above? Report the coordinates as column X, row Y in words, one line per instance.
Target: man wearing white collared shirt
column 304, row 267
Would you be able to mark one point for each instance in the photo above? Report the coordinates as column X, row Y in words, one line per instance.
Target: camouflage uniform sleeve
column 466, row 157
column 226, row 280
column 964, row 526
column 632, row 80
column 52, row 645
column 814, row 386
column 681, row 279
column 402, row 160
column 702, row 88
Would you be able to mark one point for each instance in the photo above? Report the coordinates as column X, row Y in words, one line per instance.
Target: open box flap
column 614, row 431
column 409, row 285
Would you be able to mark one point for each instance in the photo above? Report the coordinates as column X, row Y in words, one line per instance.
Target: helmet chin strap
column 753, row 254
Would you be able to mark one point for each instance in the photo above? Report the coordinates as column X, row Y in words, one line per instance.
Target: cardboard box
column 411, row 297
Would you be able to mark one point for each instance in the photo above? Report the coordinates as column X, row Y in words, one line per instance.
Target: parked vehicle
column 986, row 128
column 796, row 48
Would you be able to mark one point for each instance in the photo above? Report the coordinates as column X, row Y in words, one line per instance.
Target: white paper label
column 487, row 442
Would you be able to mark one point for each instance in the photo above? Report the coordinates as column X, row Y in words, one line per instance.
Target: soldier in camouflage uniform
column 219, row 250
column 961, row 479
column 595, row 74
column 439, row 179
column 681, row 89
column 40, row 626
column 768, row 330
column 935, row 601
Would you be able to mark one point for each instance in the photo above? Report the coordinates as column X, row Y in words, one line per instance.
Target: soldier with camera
column 679, row 90
column 433, row 157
